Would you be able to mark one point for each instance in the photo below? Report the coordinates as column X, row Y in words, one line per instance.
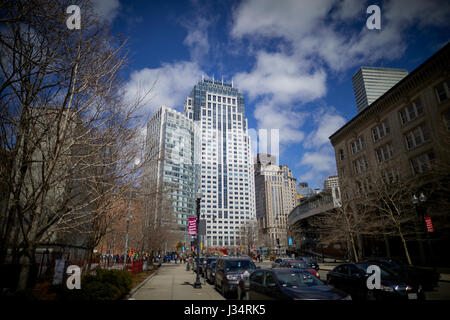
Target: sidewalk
column 173, row 282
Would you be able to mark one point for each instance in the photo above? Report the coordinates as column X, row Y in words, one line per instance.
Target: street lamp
column 420, row 210
column 197, row 284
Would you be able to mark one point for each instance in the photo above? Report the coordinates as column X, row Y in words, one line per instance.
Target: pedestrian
column 168, row 259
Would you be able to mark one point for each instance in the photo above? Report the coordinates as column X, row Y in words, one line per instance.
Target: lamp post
column 197, row 283
column 420, row 210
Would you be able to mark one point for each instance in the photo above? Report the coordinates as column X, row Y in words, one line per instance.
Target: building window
column 390, row 175
column 380, row 131
column 384, row 153
column 422, row 163
column 341, row 154
column 443, row 90
column 417, row 136
column 358, row 145
column 360, row 165
column 446, row 118
column 411, row 112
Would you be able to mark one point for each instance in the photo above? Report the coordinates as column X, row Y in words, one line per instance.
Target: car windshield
column 300, row 265
column 386, row 273
column 210, row 260
column 298, row 280
column 239, row 265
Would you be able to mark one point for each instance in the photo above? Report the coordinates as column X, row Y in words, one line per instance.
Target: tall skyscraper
column 276, row 196
column 171, row 169
column 370, row 83
column 227, row 181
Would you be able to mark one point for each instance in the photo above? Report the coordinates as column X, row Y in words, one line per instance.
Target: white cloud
column 308, row 27
column 171, row 83
column 107, row 9
column 284, row 78
column 327, row 122
column 197, row 37
column 318, row 165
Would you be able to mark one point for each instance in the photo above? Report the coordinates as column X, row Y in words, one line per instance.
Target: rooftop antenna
column 381, row 61
column 213, row 78
column 222, row 81
column 203, row 78
column 232, row 82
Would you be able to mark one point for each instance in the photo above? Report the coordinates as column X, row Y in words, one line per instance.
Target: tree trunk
column 352, row 240
column 405, row 246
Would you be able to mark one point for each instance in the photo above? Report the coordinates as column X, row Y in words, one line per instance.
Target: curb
column 132, row 292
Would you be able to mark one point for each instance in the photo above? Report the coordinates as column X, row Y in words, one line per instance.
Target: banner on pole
column 192, row 226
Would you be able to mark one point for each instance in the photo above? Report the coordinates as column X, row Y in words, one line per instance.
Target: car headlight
column 232, row 277
column 386, row 288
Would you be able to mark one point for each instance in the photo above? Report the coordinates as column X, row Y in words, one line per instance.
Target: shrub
column 104, row 285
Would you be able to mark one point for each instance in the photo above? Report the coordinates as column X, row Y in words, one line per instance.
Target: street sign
column 192, row 226
column 429, row 224
column 290, row 241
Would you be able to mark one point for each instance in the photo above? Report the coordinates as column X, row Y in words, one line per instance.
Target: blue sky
column 292, row 59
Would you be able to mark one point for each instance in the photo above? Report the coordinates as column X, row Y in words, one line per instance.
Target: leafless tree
column 248, row 235
column 67, row 133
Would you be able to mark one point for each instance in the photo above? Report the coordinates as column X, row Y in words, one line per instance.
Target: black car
column 206, row 264
column 352, row 278
column 211, row 272
column 229, row 271
column 428, row 279
column 276, row 263
column 310, row 261
column 287, row 284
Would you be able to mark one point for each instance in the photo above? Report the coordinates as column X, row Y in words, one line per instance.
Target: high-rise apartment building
column 227, row 180
column 171, row 170
column 276, row 196
column 369, row 83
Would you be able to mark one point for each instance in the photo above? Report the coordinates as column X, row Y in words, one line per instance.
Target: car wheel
column 224, row 293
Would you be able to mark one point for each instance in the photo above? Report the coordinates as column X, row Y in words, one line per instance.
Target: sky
column 292, row 59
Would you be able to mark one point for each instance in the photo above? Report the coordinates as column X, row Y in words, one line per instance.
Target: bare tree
column 248, row 234
column 66, row 131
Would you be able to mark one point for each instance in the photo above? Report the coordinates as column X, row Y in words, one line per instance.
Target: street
column 173, row 282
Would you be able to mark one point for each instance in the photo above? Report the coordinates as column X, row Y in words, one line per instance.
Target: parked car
column 229, row 271
column 276, row 263
column 194, row 265
column 287, row 284
column 211, row 272
column 206, row 264
column 426, row 278
column 299, row 264
column 310, row 261
column 352, row 278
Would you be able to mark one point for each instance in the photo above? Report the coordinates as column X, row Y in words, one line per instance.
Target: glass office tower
column 171, row 169
column 227, row 180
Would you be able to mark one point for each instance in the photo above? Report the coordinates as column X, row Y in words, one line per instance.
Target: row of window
column 221, row 99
